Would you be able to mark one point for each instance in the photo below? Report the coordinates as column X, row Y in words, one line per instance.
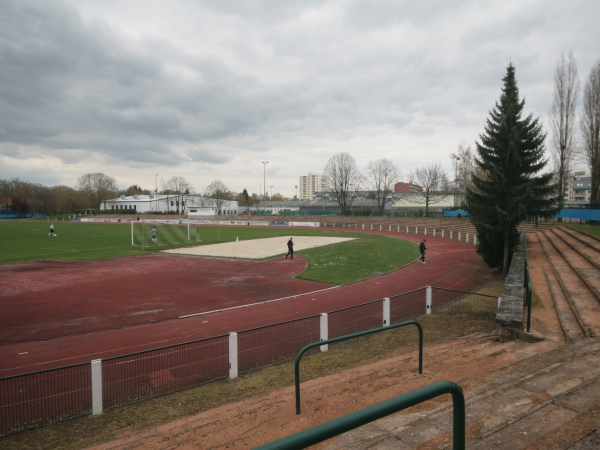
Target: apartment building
column 309, row 185
column 578, row 188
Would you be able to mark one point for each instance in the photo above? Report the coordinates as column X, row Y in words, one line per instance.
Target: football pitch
column 29, row 240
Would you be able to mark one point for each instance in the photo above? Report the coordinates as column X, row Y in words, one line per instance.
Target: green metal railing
column 356, row 419
column 528, row 291
column 352, row 336
column 527, row 282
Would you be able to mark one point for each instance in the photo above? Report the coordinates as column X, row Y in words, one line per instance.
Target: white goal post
column 168, row 233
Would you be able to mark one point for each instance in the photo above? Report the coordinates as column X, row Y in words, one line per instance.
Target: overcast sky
column 210, row 89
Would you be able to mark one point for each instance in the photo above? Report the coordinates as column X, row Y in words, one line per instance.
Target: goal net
column 165, row 234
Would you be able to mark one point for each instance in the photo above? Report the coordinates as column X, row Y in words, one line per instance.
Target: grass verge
column 593, row 230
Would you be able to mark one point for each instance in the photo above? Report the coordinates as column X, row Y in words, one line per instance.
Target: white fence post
column 428, row 299
column 96, row 370
column 450, row 234
column 475, row 239
column 233, row 355
column 425, row 233
column 324, row 331
column 442, row 233
column 434, row 232
column 459, row 236
column 407, row 228
column 386, row 312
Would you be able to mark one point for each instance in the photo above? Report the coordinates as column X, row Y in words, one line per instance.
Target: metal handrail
column 335, row 427
column 352, row 336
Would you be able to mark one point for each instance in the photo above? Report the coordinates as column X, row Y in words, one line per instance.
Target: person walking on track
column 422, row 249
column 290, row 246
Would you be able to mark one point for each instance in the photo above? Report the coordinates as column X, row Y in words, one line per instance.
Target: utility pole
column 265, row 180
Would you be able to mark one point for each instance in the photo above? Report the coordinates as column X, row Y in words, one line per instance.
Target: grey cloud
column 220, row 86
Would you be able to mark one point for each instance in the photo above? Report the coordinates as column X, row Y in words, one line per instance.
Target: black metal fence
column 44, row 397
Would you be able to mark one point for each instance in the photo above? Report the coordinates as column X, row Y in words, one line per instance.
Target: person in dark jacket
column 422, row 249
column 290, row 246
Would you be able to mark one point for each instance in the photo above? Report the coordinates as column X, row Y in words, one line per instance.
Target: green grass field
column 594, row 230
column 367, row 255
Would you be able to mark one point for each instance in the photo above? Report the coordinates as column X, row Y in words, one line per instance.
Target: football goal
column 165, row 234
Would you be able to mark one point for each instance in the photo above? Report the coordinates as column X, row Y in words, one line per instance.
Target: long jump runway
column 55, row 314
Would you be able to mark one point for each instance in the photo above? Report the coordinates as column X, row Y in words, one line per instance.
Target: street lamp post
column 456, row 160
column 265, row 180
column 296, row 187
column 156, row 190
column 271, row 199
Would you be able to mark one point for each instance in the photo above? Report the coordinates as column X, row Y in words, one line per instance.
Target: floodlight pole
column 457, row 159
column 265, row 180
column 156, row 190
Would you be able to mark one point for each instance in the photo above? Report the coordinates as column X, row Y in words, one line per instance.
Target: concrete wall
column 510, row 312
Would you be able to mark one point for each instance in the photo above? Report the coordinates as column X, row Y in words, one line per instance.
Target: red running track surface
column 54, row 314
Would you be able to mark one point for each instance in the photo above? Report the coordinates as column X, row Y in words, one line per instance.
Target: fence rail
column 45, row 397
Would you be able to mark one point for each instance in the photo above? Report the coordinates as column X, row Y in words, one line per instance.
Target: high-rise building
column 308, row 185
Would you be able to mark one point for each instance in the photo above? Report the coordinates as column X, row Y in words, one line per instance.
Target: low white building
column 197, row 207
column 142, row 204
column 191, row 205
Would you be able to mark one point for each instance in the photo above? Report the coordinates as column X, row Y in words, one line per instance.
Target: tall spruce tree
column 507, row 188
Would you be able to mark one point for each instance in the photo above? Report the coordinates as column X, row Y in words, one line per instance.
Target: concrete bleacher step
column 504, row 384
column 548, row 400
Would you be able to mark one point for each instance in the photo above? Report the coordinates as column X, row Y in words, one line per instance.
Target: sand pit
column 257, row 248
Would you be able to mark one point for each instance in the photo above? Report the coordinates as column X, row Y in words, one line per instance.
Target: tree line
column 93, row 189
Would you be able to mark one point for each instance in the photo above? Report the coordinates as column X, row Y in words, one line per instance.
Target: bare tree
column 342, row 178
column 21, row 196
column 433, row 180
column 180, row 188
column 67, row 199
column 590, row 128
column 219, row 193
column 562, row 119
column 97, row 188
column 464, row 165
column 381, row 176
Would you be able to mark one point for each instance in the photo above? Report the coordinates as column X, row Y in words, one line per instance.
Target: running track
column 56, row 314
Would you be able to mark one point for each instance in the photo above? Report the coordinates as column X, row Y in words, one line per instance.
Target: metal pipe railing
column 352, row 336
column 356, row 419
